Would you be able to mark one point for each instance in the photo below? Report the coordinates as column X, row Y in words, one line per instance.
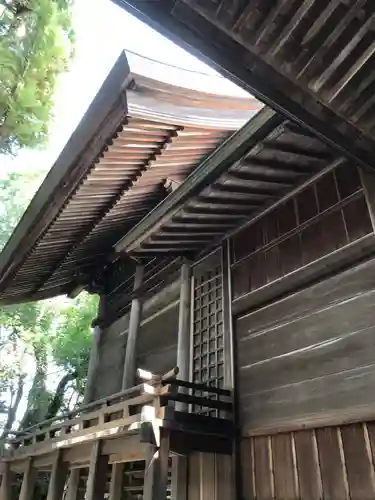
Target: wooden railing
column 101, row 418
column 171, row 403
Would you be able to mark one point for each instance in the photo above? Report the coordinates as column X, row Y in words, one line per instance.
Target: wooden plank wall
column 210, row 477
column 328, row 463
column 310, row 357
column 157, row 343
column 327, row 216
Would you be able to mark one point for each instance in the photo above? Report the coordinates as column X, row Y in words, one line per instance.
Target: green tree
column 44, row 346
column 36, row 44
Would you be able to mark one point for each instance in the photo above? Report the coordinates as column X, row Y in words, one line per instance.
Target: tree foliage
column 36, row 44
column 44, row 346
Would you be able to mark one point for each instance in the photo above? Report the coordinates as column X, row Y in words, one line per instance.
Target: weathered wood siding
column 328, row 463
column 323, row 218
column 309, row 357
column 157, row 345
column 210, row 477
column 157, row 342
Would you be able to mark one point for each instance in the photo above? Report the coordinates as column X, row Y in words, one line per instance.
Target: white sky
column 103, row 29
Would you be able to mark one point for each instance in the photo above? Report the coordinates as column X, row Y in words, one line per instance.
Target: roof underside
column 151, row 138
column 311, row 60
column 255, row 169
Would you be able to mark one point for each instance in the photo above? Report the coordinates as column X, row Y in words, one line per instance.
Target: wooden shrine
column 233, row 250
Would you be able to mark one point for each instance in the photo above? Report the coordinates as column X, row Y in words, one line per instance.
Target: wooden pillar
column 156, row 477
column 94, row 355
column 183, row 340
column 28, row 481
column 97, row 479
column 179, row 464
column 58, row 478
column 229, row 361
column 117, row 482
column 73, row 484
column 128, row 378
column 6, row 482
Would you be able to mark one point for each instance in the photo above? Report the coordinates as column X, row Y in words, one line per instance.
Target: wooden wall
column 210, row 477
column 310, row 355
column 157, row 343
column 324, row 217
column 328, row 463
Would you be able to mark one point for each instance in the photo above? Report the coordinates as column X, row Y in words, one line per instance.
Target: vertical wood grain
column 331, row 466
column 359, row 467
column 263, row 468
column 194, row 477
column 307, row 465
column 283, row 466
column 224, row 485
column 247, row 463
column 208, row 490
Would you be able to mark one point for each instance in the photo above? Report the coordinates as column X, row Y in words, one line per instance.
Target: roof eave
column 31, row 226
column 218, row 162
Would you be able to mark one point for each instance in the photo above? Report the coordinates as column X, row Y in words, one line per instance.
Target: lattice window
column 208, row 328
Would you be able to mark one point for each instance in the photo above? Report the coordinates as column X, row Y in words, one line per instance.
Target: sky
column 103, row 30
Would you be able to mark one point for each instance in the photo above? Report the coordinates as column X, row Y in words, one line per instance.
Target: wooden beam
column 6, row 483
column 128, row 378
column 117, row 481
column 58, row 478
column 28, row 481
column 96, row 481
column 73, row 485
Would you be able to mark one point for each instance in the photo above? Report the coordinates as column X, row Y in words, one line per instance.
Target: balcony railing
column 162, row 402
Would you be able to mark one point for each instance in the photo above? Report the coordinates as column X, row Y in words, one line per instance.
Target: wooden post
column 156, row 476
column 160, row 492
column 128, row 378
column 97, row 479
column 94, row 357
column 58, row 478
column 179, row 464
column 73, row 485
column 28, row 481
column 183, row 339
column 6, row 482
column 117, row 482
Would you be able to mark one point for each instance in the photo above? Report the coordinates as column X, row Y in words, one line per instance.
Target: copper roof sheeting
column 137, row 137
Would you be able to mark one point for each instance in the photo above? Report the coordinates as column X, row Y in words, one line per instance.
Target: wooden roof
column 137, row 139
column 311, row 60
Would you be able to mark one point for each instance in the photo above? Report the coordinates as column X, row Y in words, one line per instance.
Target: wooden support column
column 117, row 482
column 73, row 485
column 128, row 378
column 6, row 482
column 97, row 479
column 94, row 354
column 28, row 481
column 179, row 464
column 58, row 478
column 183, row 340
column 156, row 477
